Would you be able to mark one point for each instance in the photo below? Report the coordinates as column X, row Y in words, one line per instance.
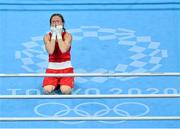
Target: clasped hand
column 56, row 32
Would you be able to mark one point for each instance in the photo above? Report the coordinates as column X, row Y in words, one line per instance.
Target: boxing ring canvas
column 108, row 37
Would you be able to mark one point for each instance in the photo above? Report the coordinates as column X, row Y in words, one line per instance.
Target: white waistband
column 62, row 65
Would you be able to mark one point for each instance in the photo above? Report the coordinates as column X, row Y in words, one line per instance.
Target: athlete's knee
column 48, row 89
column 65, row 89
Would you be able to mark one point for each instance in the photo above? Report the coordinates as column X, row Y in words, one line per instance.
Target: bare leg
column 48, row 89
column 65, row 89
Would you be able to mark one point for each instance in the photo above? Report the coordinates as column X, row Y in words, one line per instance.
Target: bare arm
column 66, row 44
column 49, row 44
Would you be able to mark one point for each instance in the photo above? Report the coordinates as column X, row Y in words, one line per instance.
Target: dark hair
column 59, row 15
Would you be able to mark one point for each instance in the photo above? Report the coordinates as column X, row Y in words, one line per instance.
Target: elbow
column 63, row 51
column 50, row 52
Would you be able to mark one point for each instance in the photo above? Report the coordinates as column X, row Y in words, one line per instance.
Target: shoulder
column 48, row 34
column 46, row 37
column 68, row 35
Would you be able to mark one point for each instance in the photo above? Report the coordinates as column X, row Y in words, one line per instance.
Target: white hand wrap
column 53, row 30
column 59, row 30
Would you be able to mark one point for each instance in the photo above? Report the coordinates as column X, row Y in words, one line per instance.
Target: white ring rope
column 125, row 96
column 89, row 74
column 89, row 97
column 131, row 118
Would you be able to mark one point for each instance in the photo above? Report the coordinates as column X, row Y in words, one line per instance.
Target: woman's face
column 56, row 20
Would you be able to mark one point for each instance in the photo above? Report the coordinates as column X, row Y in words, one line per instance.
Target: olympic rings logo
column 91, row 109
